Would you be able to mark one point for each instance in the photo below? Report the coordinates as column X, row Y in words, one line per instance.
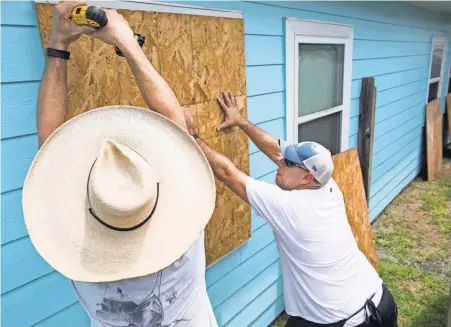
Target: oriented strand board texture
column 434, row 141
column 199, row 57
column 348, row 175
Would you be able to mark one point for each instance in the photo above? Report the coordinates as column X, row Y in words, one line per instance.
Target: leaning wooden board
column 199, row 57
column 448, row 106
column 348, row 176
column 434, row 139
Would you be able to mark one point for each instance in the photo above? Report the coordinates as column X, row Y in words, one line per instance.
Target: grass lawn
column 413, row 243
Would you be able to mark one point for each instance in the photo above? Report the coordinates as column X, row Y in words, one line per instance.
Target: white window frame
column 163, row 7
column 317, row 32
column 437, row 40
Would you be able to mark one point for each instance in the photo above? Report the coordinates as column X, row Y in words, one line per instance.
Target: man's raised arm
column 52, row 98
column 267, row 143
column 154, row 89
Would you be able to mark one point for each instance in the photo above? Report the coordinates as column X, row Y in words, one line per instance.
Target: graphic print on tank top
column 124, row 307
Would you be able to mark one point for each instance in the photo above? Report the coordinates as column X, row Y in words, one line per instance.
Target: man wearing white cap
column 106, row 205
column 327, row 280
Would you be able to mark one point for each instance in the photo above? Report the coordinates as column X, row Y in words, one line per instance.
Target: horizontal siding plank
column 260, row 238
column 376, row 209
column 13, row 225
column 19, row 109
column 72, row 316
column 17, row 156
column 242, row 274
column 223, row 266
column 369, row 49
column 388, row 81
column 276, row 128
column 18, row 13
column 260, row 164
column 405, row 167
column 374, row 67
column 391, row 109
column 37, row 300
column 355, row 108
column 394, row 160
column 274, row 21
column 353, row 140
column 393, row 148
column 388, row 125
column 356, row 88
column 270, row 313
column 264, row 79
column 354, row 125
column 22, row 54
column 379, row 184
column 17, row 259
column 400, row 92
column 388, row 13
column 232, row 307
column 264, row 50
column 382, row 142
column 265, row 107
column 258, row 306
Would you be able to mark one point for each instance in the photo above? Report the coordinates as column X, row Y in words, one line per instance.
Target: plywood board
column 448, row 109
column 199, row 57
column 434, row 141
column 348, row 176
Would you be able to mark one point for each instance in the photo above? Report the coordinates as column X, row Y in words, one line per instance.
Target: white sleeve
column 268, row 201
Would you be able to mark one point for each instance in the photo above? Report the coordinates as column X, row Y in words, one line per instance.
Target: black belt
column 369, row 304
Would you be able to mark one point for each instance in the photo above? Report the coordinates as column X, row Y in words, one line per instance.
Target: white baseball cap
column 313, row 156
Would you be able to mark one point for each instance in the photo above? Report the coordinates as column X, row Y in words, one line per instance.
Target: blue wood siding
column 392, row 41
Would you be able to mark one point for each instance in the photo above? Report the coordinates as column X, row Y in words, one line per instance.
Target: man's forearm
column 154, row 89
column 221, row 165
column 225, row 170
column 267, row 143
column 52, row 99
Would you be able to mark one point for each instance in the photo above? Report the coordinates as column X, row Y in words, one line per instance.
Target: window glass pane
column 324, row 130
column 433, row 90
column 320, row 77
column 437, row 56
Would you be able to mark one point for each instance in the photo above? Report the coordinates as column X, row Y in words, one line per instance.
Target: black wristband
column 51, row 52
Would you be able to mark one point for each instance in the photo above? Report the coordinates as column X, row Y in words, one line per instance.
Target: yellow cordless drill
column 96, row 17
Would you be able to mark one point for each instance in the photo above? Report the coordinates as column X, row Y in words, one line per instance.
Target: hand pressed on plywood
column 232, row 115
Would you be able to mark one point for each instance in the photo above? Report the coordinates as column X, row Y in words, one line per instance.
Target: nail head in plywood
column 434, row 141
column 348, row 176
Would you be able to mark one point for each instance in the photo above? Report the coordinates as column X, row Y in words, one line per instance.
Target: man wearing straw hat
column 108, row 199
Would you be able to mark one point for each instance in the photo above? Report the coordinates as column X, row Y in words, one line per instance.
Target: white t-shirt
column 176, row 296
column 326, row 278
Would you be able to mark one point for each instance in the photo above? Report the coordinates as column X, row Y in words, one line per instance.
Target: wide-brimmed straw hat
column 115, row 193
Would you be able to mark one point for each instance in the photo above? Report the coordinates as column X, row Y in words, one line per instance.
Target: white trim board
column 163, row 7
column 310, row 31
column 437, row 40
